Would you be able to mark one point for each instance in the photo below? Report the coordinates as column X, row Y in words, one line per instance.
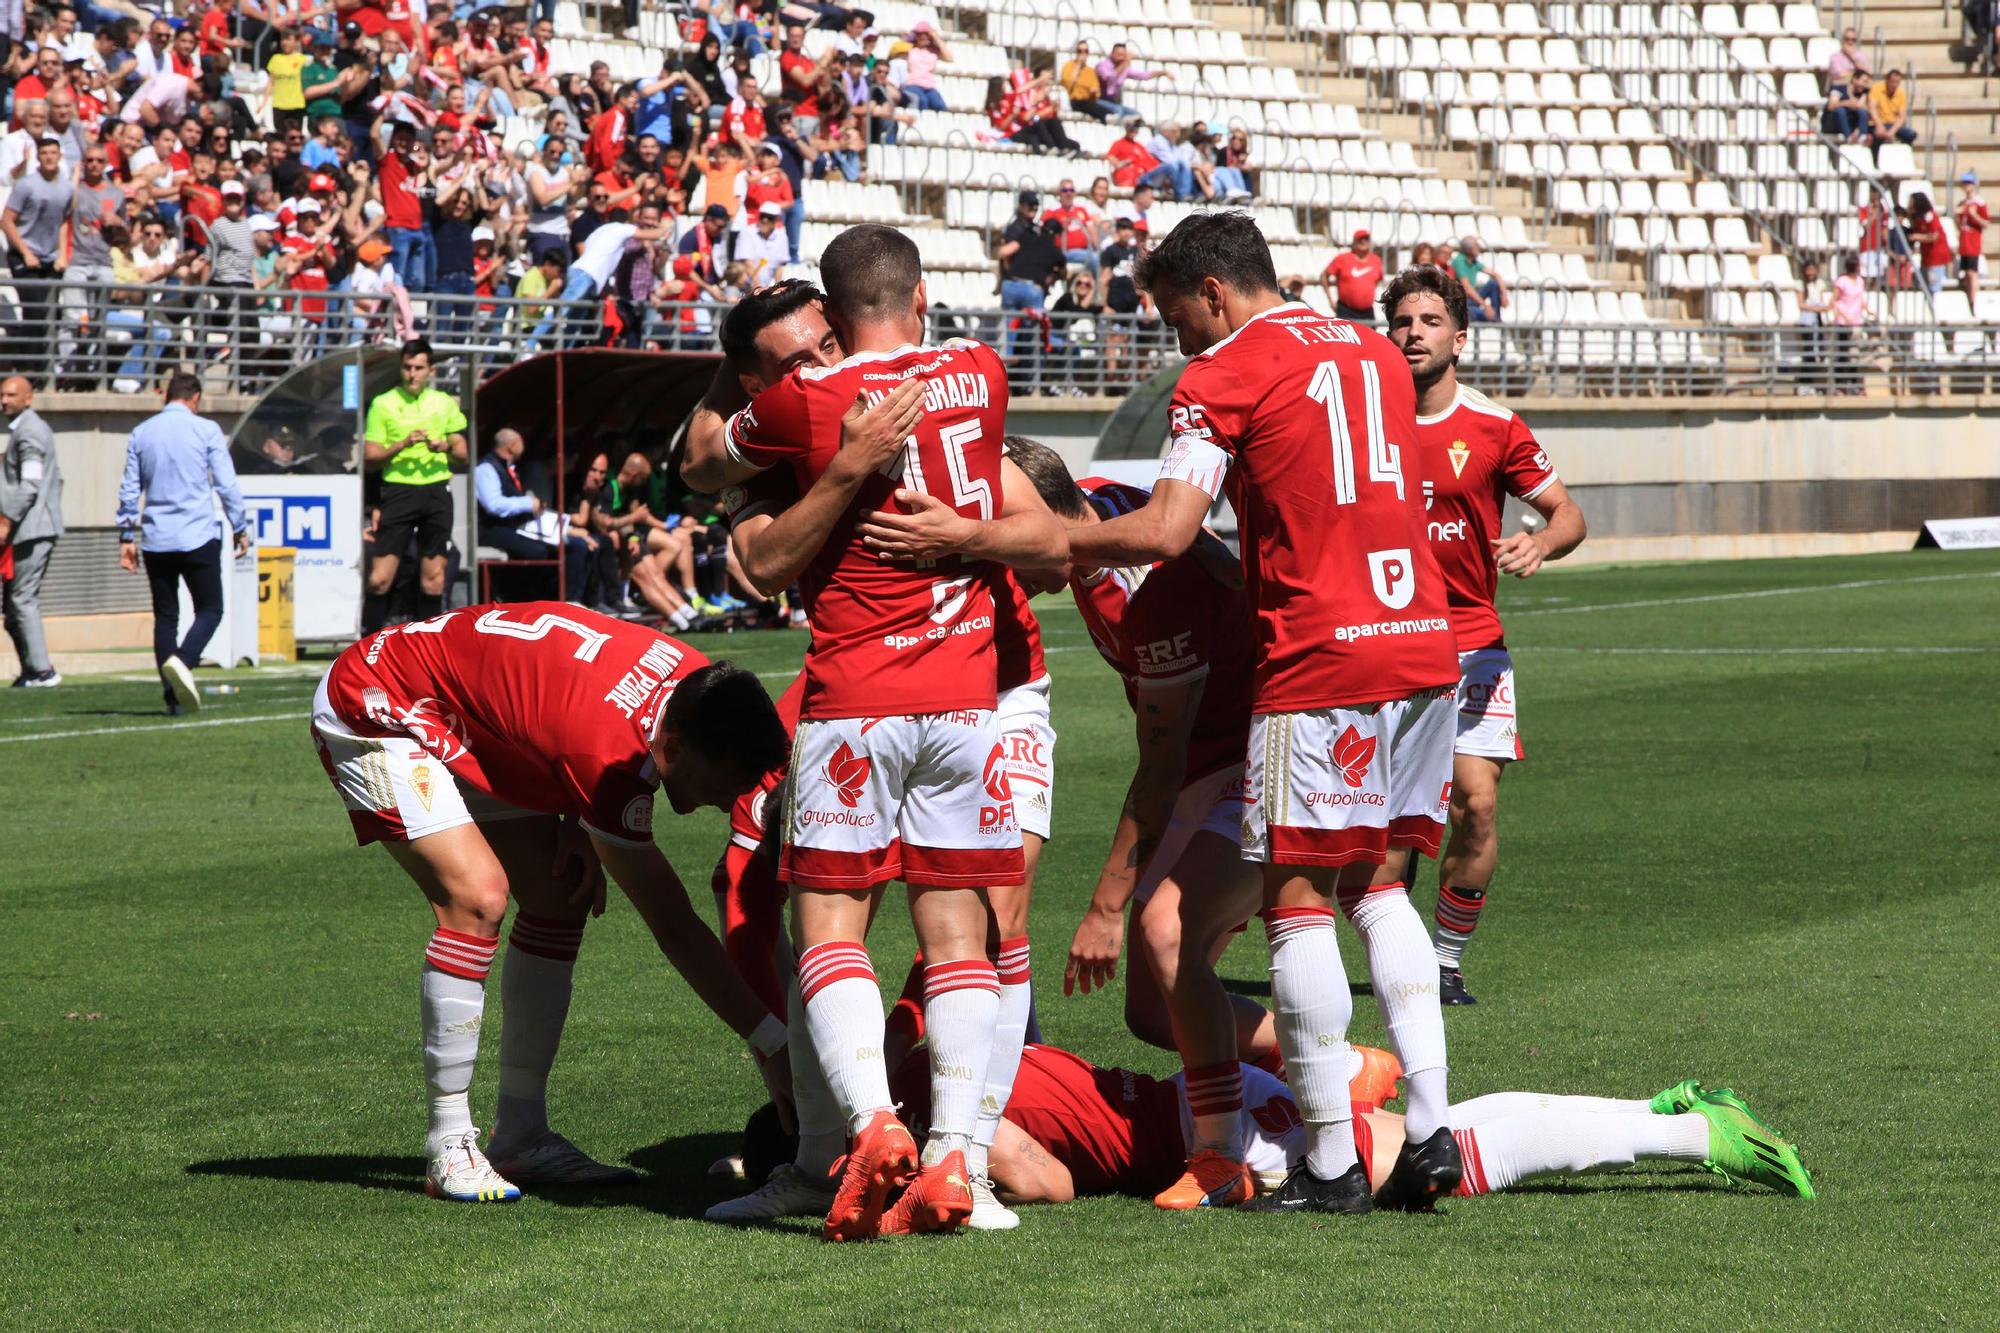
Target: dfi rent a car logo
column 302, row 521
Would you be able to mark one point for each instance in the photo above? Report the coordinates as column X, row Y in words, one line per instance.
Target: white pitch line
column 1745, row 596
column 155, row 726
column 1760, row 652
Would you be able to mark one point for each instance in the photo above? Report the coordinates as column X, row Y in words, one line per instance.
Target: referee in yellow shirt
column 415, row 435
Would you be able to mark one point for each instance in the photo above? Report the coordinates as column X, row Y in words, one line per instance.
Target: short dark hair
column 183, row 386
column 1044, row 467
column 416, row 347
column 1426, row 279
column 757, row 312
column 724, row 714
column 871, row 270
column 1225, row 246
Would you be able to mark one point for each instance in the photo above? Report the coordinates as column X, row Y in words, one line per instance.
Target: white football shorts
column 1029, row 739
column 1487, row 725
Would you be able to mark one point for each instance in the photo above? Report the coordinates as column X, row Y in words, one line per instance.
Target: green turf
column 1763, row 866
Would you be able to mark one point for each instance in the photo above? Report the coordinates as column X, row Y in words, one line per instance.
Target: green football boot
column 1741, row 1148
column 1681, row 1098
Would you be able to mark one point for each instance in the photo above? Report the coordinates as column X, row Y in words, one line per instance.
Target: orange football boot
column 883, row 1157
column 939, row 1199
column 1375, row 1078
column 1212, row 1180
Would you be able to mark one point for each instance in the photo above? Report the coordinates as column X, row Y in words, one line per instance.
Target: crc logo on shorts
column 1351, row 753
column 1393, row 576
column 1026, row 751
column 847, row 773
column 1479, row 694
column 638, row 816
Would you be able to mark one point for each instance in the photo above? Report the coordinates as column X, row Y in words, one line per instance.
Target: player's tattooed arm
column 776, row 551
column 1026, row 1172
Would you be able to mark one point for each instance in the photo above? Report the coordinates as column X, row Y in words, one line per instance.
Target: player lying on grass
column 515, row 750
column 777, row 534
column 1075, row 1129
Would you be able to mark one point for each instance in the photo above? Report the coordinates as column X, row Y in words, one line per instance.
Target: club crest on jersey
column 1351, row 753
column 847, row 773
column 1458, row 453
column 423, row 783
column 1393, row 576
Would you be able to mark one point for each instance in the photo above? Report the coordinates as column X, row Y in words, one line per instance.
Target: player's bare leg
column 554, row 902
column 375, row 601
column 1147, row 1018
column 1007, row 945
column 1466, row 871
column 1183, row 929
column 961, row 1009
column 467, row 887
column 842, row 1005
column 1402, row 968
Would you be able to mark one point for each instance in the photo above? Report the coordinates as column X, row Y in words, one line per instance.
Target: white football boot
column 988, row 1213
column 789, row 1192
column 550, row 1159
column 460, row 1173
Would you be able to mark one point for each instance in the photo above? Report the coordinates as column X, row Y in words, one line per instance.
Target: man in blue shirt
column 509, row 514
column 177, row 463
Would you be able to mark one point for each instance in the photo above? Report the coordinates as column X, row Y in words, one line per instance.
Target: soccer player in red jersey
column 1077, row 1129
column 1472, row 453
column 515, row 750
column 897, row 766
column 1306, row 421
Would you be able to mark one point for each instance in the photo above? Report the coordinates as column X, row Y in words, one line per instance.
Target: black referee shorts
column 420, row 511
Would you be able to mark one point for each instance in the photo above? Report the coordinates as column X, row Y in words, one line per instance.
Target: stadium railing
column 70, row 334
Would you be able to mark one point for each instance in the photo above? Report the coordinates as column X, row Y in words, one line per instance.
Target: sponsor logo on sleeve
column 638, row 816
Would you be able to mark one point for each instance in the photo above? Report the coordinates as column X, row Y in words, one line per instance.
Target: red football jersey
column 542, row 705
column 747, row 816
column 1117, row 1131
column 1475, row 454
column 1309, row 423
column 1171, row 622
column 1017, row 635
column 890, row 638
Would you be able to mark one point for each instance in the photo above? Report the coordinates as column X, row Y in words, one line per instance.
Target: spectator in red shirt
column 1931, row 240
column 744, row 121
column 403, row 223
column 1972, row 216
column 1351, row 279
column 608, row 135
column 1084, row 227
column 1132, row 163
column 800, row 74
column 767, row 182
column 216, row 33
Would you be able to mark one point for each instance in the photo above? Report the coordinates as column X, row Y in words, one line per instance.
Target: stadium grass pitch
column 1754, row 843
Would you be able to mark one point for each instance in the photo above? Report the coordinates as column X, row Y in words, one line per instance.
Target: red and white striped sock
column 453, row 1000
column 1215, row 1100
column 534, row 1005
column 1457, row 917
column 961, row 1009
column 1405, row 973
column 1310, row 1001
column 1017, row 997
column 1565, row 1140
column 844, row 1010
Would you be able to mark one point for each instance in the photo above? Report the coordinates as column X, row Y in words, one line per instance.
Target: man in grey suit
column 31, row 520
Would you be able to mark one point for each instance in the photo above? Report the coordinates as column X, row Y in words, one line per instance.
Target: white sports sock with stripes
column 822, row 1131
column 1017, row 998
column 961, row 1009
column 1564, row 1140
column 1403, row 966
column 1312, row 1007
column 844, row 1010
column 452, row 1006
column 535, row 985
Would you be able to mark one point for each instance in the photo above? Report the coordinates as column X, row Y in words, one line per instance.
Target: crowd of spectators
column 1859, row 109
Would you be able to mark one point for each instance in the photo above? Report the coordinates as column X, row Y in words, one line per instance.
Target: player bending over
column 776, row 534
column 1473, row 453
column 515, row 750
column 1306, row 420
column 1075, row 1129
column 897, row 768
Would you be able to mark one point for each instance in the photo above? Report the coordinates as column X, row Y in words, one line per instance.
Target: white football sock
column 1403, row 966
column 822, row 1132
column 534, row 1004
column 1311, row 1004
column 1017, row 998
column 1495, row 1105
column 1504, row 1151
column 844, row 1011
column 453, row 990
column 961, row 1009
